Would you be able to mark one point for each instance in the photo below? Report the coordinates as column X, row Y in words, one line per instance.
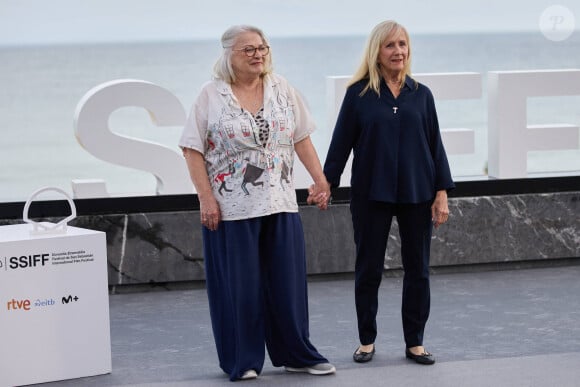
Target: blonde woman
column 400, row 169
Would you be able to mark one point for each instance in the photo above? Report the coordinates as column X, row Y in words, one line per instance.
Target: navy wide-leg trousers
column 372, row 223
column 257, row 290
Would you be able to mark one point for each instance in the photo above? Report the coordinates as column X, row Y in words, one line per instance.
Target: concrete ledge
column 487, row 229
column 166, row 247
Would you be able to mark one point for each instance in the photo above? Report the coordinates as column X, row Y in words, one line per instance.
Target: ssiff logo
column 26, row 261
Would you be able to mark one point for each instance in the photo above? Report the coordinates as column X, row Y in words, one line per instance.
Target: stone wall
column 166, row 247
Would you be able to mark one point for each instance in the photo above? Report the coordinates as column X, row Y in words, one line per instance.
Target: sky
column 72, row 21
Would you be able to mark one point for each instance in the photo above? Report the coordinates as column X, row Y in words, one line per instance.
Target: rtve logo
column 18, row 305
column 26, row 261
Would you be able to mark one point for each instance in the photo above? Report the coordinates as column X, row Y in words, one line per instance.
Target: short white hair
column 223, row 67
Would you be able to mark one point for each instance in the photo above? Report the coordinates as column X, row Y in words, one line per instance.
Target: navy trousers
column 372, row 223
column 257, row 290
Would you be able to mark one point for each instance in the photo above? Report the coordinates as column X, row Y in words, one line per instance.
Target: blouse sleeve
column 195, row 129
column 304, row 122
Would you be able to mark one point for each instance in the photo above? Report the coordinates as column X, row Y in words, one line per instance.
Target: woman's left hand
column 319, row 194
column 439, row 209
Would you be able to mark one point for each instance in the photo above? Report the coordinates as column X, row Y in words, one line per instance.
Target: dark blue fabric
column 257, row 290
column 398, row 156
column 371, row 223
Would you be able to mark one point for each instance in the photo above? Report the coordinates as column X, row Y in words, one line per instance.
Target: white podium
column 54, row 305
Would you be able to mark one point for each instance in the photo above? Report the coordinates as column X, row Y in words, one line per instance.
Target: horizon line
column 274, row 36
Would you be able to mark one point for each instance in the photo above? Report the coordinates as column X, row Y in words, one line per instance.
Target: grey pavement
column 487, row 328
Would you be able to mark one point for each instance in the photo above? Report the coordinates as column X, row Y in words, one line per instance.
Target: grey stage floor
column 492, row 328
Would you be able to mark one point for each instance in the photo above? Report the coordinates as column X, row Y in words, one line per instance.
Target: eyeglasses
column 251, row 50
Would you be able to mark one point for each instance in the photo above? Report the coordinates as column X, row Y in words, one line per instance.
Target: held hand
column 209, row 212
column 439, row 209
column 319, row 194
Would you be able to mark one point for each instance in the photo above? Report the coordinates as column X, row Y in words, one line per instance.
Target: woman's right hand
column 209, row 209
column 209, row 212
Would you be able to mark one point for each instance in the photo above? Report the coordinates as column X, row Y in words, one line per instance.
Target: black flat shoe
column 363, row 357
column 425, row 358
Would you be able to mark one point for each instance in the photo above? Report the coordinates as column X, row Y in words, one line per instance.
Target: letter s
column 93, row 133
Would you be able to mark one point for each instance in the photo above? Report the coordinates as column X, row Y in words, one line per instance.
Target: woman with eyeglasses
column 239, row 143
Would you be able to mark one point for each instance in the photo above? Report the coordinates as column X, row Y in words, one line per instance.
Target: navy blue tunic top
column 398, row 155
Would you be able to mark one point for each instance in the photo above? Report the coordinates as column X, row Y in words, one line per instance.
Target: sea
column 41, row 86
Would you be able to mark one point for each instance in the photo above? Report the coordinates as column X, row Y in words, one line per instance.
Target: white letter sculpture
column 510, row 138
column 93, row 133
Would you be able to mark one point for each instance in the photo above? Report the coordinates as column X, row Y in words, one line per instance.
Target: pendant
column 395, row 109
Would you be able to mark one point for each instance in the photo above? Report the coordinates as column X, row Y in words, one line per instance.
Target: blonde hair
column 223, row 67
column 369, row 68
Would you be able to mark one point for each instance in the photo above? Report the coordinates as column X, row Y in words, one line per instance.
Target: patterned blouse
column 249, row 159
